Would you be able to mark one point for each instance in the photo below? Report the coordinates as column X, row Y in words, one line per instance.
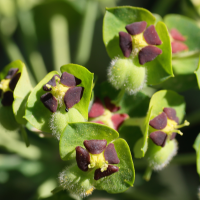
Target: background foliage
column 49, row 33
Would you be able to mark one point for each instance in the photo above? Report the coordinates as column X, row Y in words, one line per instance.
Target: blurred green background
column 46, row 34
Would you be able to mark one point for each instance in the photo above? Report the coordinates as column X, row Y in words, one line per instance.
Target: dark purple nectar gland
column 8, row 85
column 165, row 126
column 139, row 40
column 97, row 155
column 63, row 90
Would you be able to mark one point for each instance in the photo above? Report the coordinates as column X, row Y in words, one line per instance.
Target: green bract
column 160, row 100
column 20, row 93
column 43, row 119
column 83, row 183
column 197, row 148
column 115, row 20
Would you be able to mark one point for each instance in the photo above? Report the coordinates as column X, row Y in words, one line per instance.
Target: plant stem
column 25, row 136
column 119, row 97
column 60, row 41
column 87, row 31
column 147, row 174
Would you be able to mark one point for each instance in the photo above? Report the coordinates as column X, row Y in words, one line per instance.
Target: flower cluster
column 62, row 89
column 140, row 39
column 106, row 114
column 177, row 40
column 7, row 86
column 165, row 126
column 97, row 155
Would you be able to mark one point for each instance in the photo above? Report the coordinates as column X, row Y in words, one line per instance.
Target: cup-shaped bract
column 60, row 99
column 15, row 87
column 103, row 161
column 166, row 111
column 161, row 101
column 133, row 33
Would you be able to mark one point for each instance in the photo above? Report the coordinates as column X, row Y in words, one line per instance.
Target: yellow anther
column 98, row 161
column 4, row 85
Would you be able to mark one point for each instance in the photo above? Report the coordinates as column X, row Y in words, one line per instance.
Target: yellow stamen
column 4, row 85
column 98, row 161
column 172, row 126
column 138, row 43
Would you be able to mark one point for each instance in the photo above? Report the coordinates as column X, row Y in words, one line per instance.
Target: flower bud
column 124, row 74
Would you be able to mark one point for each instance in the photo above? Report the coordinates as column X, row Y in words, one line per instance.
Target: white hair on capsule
column 114, row 80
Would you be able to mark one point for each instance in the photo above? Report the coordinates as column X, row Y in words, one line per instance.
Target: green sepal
column 86, row 78
column 197, row 148
column 75, row 133
column 43, row 119
column 115, row 21
column 160, row 100
column 188, row 28
column 21, row 91
column 73, row 136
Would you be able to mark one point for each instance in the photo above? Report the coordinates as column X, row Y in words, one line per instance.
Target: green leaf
column 80, row 182
column 75, row 133
column 160, row 100
column 115, row 20
column 86, row 78
column 187, row 27
column 36, row 113
column 7, row 118
column 21, row 91
column 197, row 148
column 43, row 119
column 167, row 98
column 160, row 69
column 124, row 178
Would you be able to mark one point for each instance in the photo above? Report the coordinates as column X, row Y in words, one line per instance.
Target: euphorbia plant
column 58, row 100
column 103, row 161
column 86, row 117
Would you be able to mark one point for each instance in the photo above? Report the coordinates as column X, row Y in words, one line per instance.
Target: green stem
column 119, row 97
column 60, row 41
column 25, row 136
column 87, row 31
column 56, row 190
column 30, row 40
column 147, row 174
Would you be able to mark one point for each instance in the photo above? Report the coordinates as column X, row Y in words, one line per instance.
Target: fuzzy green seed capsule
column 158, row 156
column 124, row 74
